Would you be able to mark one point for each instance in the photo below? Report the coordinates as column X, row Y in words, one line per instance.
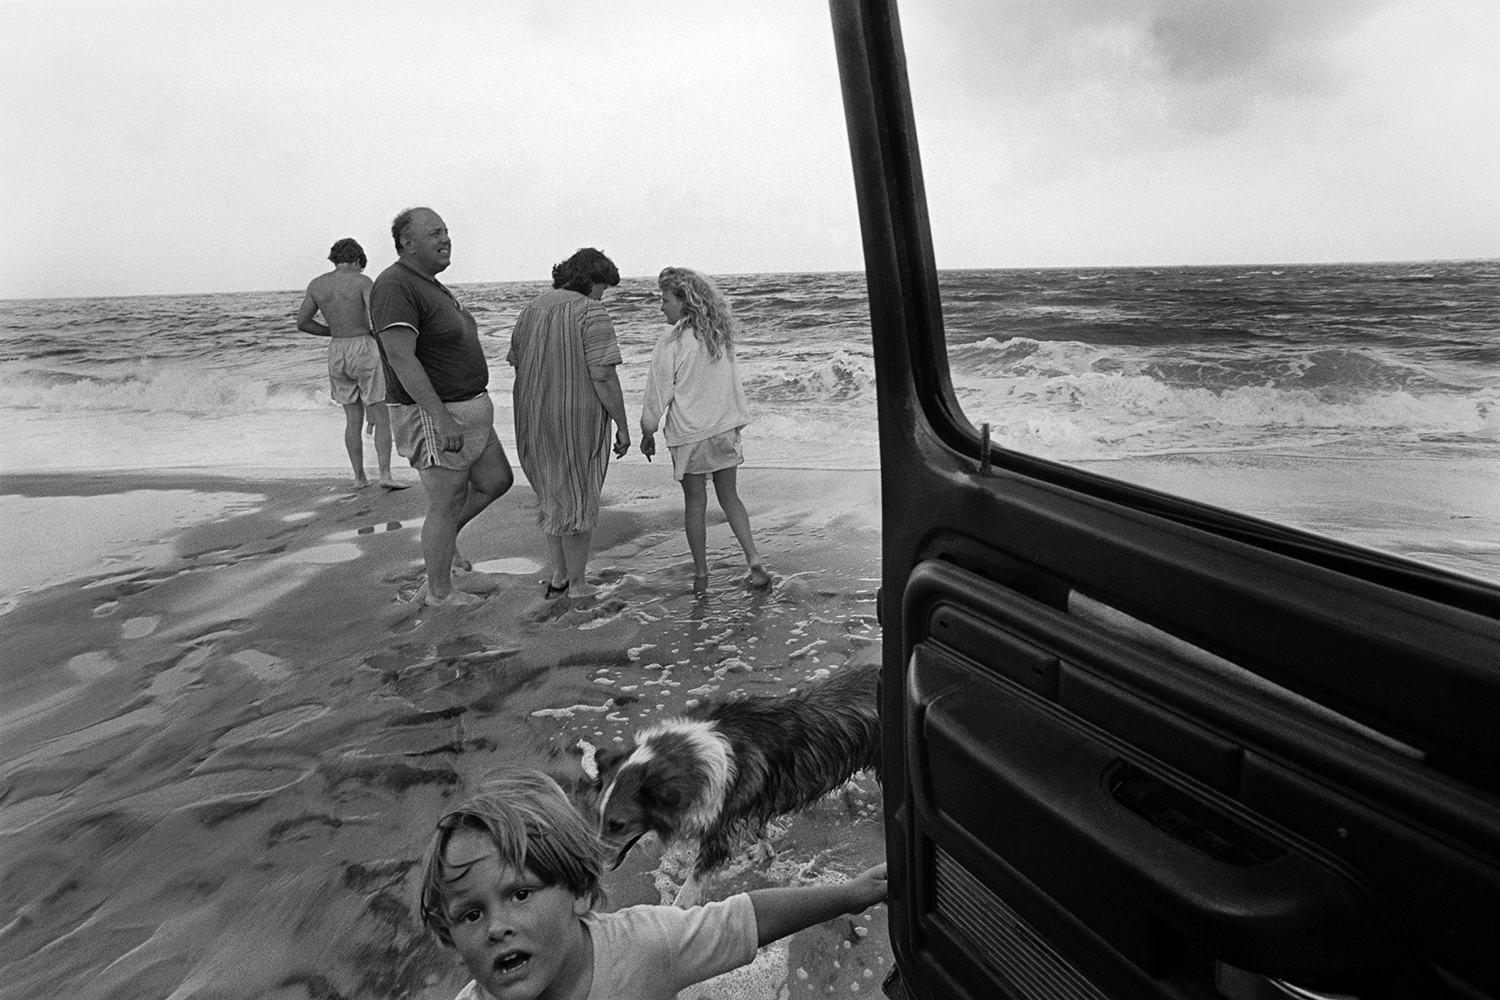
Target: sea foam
column 158, row 388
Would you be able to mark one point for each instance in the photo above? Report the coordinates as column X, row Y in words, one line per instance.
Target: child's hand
column 648, row 445
column 868, row 888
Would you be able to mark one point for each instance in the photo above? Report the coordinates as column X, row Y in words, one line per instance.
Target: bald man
column 436, row 380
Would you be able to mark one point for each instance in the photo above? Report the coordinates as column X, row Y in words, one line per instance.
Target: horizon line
column 759, row 274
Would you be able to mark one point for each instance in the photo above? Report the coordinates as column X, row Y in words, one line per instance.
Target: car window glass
column 1171, row 251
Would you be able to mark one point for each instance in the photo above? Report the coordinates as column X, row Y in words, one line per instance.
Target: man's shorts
column 416, row 435
column 355, row 372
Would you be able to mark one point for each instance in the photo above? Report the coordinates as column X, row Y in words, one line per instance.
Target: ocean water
column 1312, row 364
column 1342, row 360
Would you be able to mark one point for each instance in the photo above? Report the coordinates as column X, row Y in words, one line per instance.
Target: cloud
column 1076, row 132
column 148, row 140
column 154, row 136
column 1080, row 81
column 1269, row 45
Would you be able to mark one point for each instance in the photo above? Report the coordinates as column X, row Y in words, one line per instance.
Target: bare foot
column 759, row 578
column 452, row 599
column 582, row 589
column 387, row 483
column 361, row 483
column 700, row 585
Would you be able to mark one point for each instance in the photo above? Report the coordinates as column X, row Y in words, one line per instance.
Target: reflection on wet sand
column 222, row 763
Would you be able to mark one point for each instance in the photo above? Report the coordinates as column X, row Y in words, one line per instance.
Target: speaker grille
column 1026, row 964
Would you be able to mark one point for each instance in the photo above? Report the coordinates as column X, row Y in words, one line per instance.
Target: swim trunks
column 355, row 371
column 416, row 435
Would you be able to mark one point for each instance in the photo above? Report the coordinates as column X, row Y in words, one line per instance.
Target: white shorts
column 356, row 373
column 722, row 451
column 416, row 435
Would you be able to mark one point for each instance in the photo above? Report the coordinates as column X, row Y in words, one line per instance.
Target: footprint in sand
column 478, row 582
column 224, row 631
column 408, row 585
column 262, row 666
column 140, row 626
column 90, row 665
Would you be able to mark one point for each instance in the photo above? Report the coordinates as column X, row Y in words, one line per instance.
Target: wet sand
column 226, row 735
column 1442, row 512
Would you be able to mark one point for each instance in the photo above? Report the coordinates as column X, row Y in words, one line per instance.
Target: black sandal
column 555, row 592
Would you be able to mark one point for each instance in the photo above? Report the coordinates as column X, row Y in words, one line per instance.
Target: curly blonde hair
column 703, row 306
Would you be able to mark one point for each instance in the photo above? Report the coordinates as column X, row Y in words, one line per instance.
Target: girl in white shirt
column 695, row 386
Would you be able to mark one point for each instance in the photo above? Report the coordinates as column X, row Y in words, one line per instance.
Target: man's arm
column 305, row 321
column 369, row 314
column 400, row 343
column 783, row 911
column 612, row 397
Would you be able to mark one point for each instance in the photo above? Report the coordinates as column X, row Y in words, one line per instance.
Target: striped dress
column 561, row 343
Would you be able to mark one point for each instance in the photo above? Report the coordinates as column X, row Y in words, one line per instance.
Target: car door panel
column 1177, row 843
column 1137, row 746
column 1384, row 827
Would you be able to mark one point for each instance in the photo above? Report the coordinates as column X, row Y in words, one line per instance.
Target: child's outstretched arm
column 779, row 912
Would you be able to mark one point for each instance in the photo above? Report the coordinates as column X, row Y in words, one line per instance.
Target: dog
column 727, row 768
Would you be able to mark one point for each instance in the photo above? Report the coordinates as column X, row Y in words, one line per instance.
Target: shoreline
column 1396, row 506
column 341, row 473
column 1438, row 511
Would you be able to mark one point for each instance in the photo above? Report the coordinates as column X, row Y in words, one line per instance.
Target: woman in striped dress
column 566, row 394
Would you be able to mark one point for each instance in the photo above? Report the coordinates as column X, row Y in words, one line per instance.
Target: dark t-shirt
column 447, row 336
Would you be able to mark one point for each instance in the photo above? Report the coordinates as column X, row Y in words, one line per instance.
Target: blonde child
column 511, row 882
column 695, row 386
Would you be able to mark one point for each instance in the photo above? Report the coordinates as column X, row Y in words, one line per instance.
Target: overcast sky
column 223, row 145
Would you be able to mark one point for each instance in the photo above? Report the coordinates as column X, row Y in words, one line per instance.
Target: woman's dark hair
column 585, row 269
column 347, row 251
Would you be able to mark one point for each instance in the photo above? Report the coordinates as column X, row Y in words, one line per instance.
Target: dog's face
column 642, row 792
column 623, row 817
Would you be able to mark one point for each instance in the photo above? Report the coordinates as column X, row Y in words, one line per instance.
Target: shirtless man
column 356, row 376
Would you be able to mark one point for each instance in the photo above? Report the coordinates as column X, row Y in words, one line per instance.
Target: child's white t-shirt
column 652, row 952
